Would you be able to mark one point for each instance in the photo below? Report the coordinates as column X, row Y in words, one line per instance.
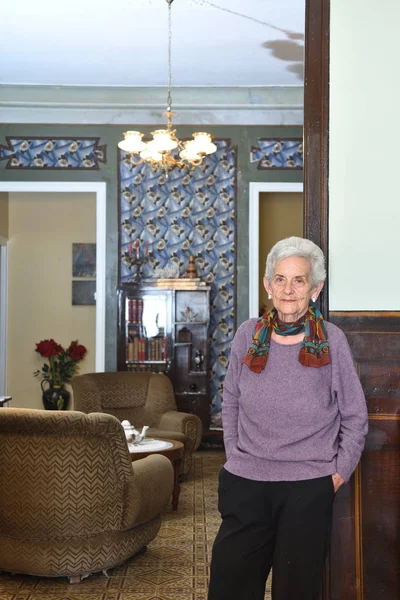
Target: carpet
column 175, row 565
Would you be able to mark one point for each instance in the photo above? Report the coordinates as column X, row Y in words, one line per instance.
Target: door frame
column 98, row 188
column 254, row 217
column 3, row 314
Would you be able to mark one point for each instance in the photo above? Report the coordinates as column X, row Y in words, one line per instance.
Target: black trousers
column 285, row 525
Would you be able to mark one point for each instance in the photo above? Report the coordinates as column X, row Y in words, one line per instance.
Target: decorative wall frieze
column 278, row 154
column 53, row 153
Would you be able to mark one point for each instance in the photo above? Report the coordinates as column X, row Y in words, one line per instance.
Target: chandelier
column 165, row 151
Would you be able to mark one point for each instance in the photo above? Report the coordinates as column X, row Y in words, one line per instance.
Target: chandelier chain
column 161, row 152
column 169, row 99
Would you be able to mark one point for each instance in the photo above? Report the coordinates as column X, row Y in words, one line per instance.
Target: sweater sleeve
column 352, row 408
column 231, row 392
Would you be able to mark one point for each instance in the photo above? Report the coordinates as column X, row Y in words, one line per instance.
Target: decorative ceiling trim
column 195, row 105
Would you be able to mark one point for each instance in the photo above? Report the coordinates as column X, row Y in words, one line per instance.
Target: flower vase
column 55, row 397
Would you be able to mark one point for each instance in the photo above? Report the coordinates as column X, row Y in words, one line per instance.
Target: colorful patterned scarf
column 314, row 351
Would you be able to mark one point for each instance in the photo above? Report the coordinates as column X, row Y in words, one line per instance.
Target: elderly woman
column 295, row 421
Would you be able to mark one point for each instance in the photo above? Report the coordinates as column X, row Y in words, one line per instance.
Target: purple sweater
column 292, row 422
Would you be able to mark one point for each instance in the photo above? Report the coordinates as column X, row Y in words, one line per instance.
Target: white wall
column 364, row 169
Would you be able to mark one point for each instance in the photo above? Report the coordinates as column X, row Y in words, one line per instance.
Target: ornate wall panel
column 278, row 154
column 53, row 153
column 188, row 213
column 365, row 542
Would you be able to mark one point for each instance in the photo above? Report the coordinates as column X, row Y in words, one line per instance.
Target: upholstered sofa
column 143, row 398
column 72, row 502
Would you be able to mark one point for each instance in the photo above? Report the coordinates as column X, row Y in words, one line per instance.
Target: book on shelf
column 139, row 309
column 131, row 352
column 140, row 348
column 135, row 348
column 135, row 310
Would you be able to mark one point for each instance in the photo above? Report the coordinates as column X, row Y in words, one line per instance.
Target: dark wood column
column 316, row 129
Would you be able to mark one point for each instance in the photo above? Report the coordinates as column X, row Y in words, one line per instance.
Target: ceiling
column 124, row 42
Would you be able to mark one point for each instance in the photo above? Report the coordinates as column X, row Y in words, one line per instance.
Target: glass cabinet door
column 146, row 322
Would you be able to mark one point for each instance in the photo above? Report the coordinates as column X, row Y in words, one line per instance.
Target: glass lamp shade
column 163, row 141
column 132, row 142
column 202, row 143
column 150, row 153
column 190, row 152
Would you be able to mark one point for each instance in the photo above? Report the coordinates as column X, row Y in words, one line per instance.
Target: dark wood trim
column 316, row 150
column 367, row 321
column 316, row 129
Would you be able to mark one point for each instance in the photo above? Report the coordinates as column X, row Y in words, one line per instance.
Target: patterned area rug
column 175, row 565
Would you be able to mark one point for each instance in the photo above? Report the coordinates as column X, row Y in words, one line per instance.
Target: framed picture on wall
column 83, row 260
column 83, row 292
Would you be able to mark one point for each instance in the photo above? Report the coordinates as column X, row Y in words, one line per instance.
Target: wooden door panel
column 381, row 384
column 380, row 494
column 364, row 562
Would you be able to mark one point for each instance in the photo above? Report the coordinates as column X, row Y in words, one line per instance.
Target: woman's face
column 291, row 288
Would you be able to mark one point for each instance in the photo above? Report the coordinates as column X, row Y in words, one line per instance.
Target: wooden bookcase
column 163, row 327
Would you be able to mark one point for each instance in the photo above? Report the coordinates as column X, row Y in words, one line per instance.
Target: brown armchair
column 72, row 501
column 143, row 398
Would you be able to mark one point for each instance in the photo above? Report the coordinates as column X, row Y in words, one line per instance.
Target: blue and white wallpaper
column 53, row 153
column 278, row 154
column 188, row 213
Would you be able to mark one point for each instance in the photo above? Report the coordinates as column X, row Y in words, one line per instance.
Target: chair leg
column 75, row 579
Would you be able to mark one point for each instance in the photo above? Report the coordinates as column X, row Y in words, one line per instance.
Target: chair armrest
column 149, row 489
column 189, row 425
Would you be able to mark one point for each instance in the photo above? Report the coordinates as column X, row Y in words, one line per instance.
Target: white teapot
column 139, row 437
column 134, row 436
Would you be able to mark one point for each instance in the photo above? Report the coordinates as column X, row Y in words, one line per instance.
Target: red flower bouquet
column 63, row 364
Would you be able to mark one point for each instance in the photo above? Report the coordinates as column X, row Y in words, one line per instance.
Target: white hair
column 296, row 246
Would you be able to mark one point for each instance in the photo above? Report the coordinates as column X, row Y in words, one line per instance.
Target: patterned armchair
column 73, row 503
column 143, row 398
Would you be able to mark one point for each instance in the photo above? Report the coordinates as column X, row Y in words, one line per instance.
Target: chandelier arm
column 134, row 162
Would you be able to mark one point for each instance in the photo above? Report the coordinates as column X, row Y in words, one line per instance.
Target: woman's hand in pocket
column 338, row 481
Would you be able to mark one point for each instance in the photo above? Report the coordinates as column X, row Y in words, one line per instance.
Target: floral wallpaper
column 278, row 154
column 188, row 213
column 53, row 153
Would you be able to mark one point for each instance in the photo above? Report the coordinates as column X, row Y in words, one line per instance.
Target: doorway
column 256, row 249
column 99, row 191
